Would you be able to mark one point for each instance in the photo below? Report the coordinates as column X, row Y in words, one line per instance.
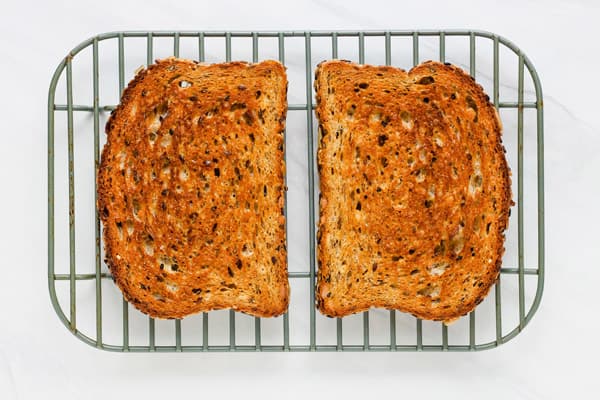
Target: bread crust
column 191, row 189
column 415, row 190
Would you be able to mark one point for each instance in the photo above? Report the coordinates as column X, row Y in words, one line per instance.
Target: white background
column 554, row 358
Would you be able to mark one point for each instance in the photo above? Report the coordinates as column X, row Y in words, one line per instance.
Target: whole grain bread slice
column 415, row 190
column 191, row 189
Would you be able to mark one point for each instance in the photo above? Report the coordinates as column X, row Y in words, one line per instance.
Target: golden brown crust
column 191, row 189
column 415, row 190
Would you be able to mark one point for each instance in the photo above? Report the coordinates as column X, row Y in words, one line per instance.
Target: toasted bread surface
column 415, row 190
column 191, row 189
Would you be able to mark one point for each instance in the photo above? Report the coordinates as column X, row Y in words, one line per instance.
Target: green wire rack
column 393, row 331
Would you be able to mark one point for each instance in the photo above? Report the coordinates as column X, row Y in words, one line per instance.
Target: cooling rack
column 86, row 86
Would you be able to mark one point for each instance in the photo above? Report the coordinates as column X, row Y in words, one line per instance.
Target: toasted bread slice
column 191, row 189
column 415, row 190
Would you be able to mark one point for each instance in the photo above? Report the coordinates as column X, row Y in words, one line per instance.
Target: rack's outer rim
column 399, row 348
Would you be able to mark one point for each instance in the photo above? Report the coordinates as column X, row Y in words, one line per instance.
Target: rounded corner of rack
column 518, row 330
column 485, row 33
column 60, row 313
column 537, row 300
column 54, row 300
column 93, row 343
column 66, row 323
column 54, row 80
column 89, row 41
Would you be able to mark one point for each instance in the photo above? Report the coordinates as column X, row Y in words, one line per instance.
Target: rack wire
column 527, row 130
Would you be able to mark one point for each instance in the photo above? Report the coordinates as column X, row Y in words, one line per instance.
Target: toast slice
column 415, row 190
column 191, row 189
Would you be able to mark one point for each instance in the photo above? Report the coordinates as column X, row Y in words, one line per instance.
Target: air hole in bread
column 247, row 251
column 136, row 209
column 129, row 227
column 172, row 287
column 437, row 269
column 149, row 246
column 248, row 117
column 426, row 80
column 158, row 296
column 350, row 112
column 154, row 125
column 430, row 291
column 406, row 118
column 165, row 141
column 167, row 264
column 122, row 159
column 261, row 115
column 120, row 230
column 237, row 106
column 475, row 183
column 457, row 242
column 456, row 131
column 472, row 106
column 162, row 110
column 183, row 175
column 431, row 192
column 420, row 175
column 440, row 249
column 136, row 177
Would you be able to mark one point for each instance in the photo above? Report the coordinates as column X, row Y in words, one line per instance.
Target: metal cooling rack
column 62, row 114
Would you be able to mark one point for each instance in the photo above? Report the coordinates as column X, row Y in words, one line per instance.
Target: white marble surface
column 553, row 358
